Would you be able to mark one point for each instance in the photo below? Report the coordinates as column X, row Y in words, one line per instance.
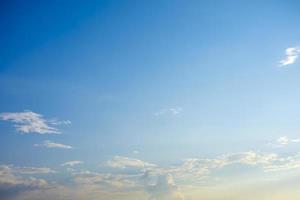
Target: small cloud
column 32, row 170
column 125, row 162
column 292, row 55
column 135, row 152
column 50, row 144
column 283, row 141
column 31, row 122
column 169, row 111
column 72, row 163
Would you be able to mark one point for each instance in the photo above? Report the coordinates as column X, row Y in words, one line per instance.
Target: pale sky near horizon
column 159, row 100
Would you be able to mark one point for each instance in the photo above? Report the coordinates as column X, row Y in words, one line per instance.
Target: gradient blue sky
column 160, row 81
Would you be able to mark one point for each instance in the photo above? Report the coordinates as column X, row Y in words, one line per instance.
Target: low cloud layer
column 12, row 183
column 150, row 181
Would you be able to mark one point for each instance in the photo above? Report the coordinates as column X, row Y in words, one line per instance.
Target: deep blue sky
column 108, row 66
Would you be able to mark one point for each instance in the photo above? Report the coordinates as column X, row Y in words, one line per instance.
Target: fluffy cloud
column 30, row 122
column 169, row 111
column 125, row 162
column 50, row 144
column 72, row 163
column 292, row 55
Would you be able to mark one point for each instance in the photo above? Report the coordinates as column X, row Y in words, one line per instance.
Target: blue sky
column 142, row 87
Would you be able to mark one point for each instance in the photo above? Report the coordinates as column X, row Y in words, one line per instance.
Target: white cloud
column 200, row 168
column 292, row 55
column 169, row 111
column 72, row 163
column 283, row 141
column 32, row 170
column 58, row 122
column 30, row 122
column 50, row 144
column 284, row 164
column 105, row 180
column 125, row 162
column 158, row 183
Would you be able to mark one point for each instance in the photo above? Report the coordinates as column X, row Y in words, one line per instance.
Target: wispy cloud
column 292, row 55
column 105, row 180
column 169, row 111
column 125, row 162
column 31, row 122
column 32, row 170
column 72, row 163
column 283, row 141
column 50, row 144
column 200, row 168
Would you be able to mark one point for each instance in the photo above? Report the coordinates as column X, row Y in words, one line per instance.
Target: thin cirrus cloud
column 125, row 162
column 72, row 163
column 32, row 170
column 292, row 54
column 50, row 144
column 31, row 122
column 169, row 111
column 283, row 141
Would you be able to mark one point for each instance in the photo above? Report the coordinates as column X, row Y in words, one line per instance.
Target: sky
column 149, row 100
